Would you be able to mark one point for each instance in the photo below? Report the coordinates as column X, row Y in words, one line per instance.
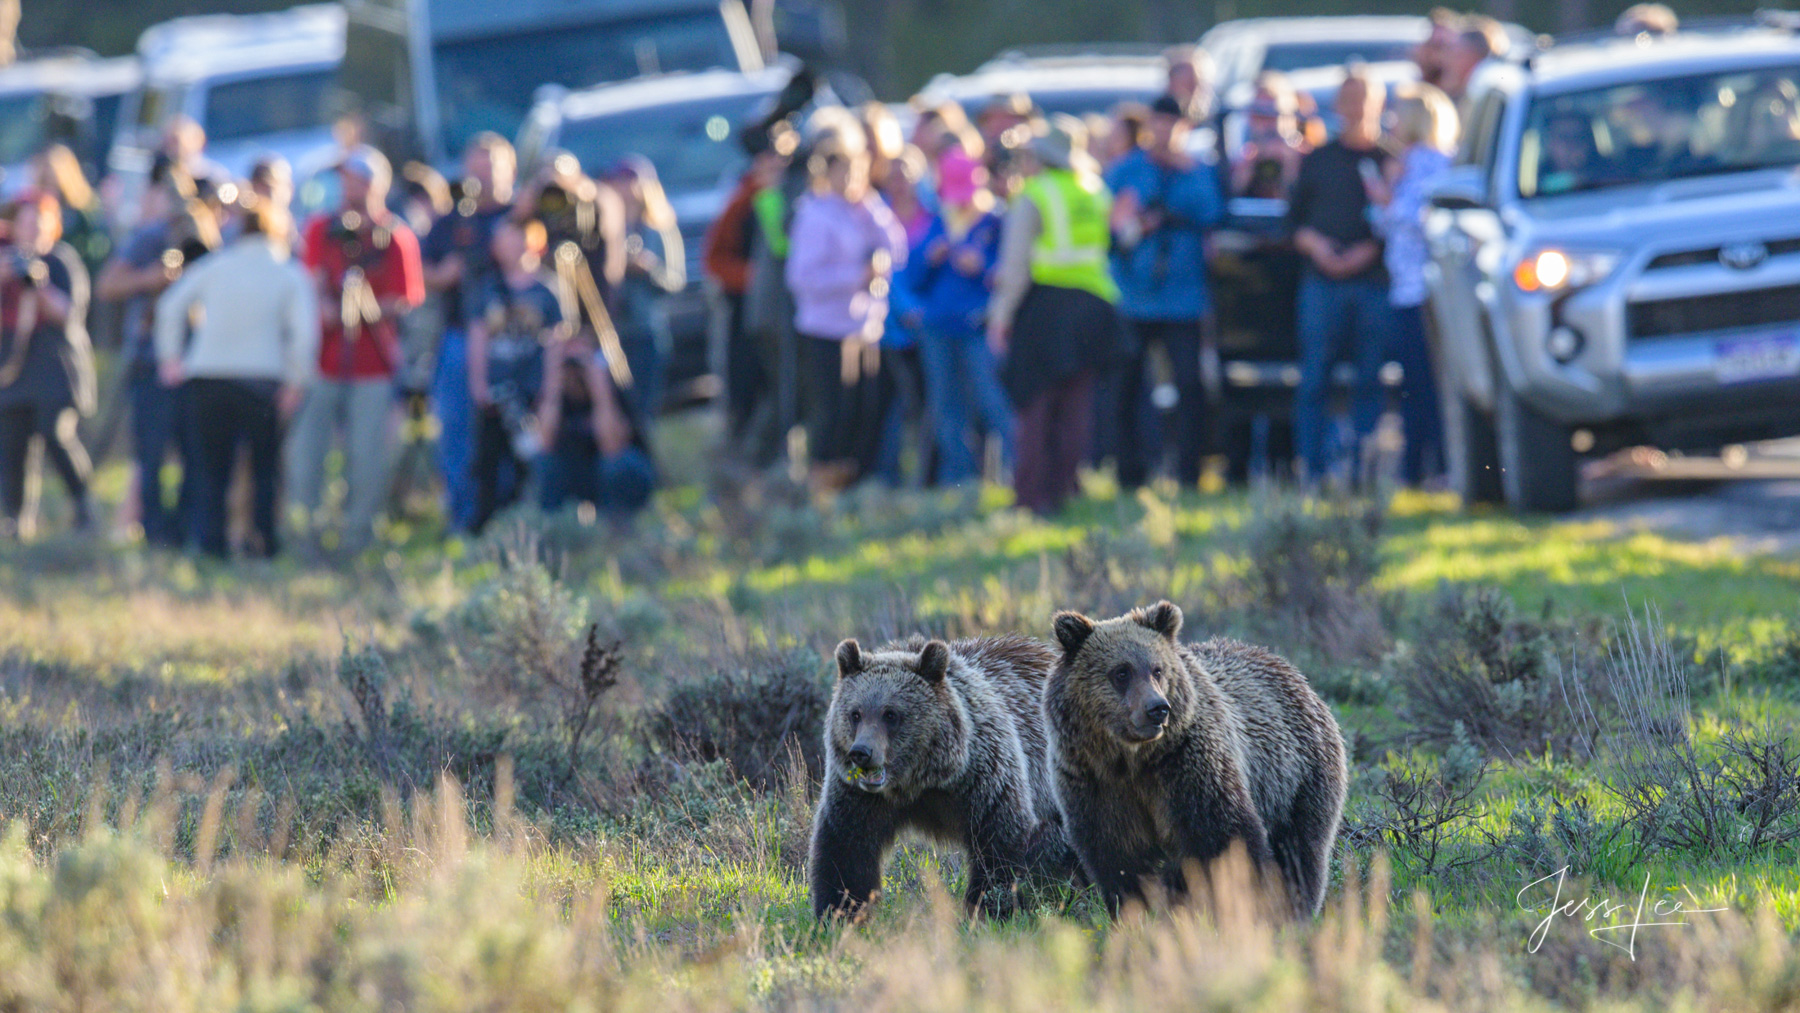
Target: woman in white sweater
column 254, row 319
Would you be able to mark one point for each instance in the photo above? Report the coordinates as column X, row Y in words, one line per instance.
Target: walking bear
column 1166, row 752
column 944, row 739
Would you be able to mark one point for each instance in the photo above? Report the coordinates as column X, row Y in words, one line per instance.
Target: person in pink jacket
column 844, row 247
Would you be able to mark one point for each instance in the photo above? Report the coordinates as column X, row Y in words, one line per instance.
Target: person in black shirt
column 459, row 264
column 1343, row 305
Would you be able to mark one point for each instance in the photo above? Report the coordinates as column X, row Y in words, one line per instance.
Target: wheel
column 1537, row 460
column 1472, row 452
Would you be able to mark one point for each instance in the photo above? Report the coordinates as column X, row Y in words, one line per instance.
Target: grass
column 272, row 787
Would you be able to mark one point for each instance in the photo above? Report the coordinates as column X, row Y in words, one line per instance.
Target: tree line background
column 899, row 44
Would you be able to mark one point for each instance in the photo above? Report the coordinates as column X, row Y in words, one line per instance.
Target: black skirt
column 1057, row 333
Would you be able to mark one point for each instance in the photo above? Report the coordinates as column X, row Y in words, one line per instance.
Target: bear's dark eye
column 856, row 717
column 1121, row 675
column 891, row 716
column 1156, row 672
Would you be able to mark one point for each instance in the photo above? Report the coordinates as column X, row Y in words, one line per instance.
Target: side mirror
column 1460, row 189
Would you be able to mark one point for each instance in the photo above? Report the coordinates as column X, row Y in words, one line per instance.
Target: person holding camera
column 1164, row 203
column 366, row 264
column 593, row 452
column 458, row 264
column 245, row 369
column 844, row 248
column 521, row 314
column 46, row 362
column 172, row 233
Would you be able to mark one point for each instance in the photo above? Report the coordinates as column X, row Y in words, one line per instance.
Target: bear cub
column 1166, row 752
column 942, row 739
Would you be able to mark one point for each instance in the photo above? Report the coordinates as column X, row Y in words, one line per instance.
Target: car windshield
column 487, row 83
column 1653, row 131
column 1289, row 56
column 21, row 126
column 692, row 144
column 267, row 105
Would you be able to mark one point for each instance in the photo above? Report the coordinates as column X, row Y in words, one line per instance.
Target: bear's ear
column 1072, row 630
column 934, row 661
column 1164, row 617
column 849, row 658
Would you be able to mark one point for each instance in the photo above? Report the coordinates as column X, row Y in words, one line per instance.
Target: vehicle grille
column 1721, row 312
column 1710, row 254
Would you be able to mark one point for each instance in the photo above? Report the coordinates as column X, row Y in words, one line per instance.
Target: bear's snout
column 1146, row 722
column 865, row 766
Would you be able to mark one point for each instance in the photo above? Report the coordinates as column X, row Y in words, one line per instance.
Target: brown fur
column 956, row 732
column 1165, row 753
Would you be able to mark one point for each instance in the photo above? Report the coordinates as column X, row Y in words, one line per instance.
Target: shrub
column 1735, row 796
column 1424, row 810
column 1502, row 677
column 519, row 630
column 747, row 718
column 1311, row 564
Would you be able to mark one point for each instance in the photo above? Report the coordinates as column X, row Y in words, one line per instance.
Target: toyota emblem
column 1743, row 256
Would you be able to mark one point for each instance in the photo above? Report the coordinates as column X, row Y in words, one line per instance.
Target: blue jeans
column 572, row 471
column 1419, row 415
column 153, row 429
column 963, row 396
column 1338, row 320
column 456, row 434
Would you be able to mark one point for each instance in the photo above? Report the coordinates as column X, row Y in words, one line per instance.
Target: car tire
column 1537, row 459
column 1471, row 450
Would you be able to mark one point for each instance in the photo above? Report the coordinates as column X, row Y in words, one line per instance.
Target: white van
column 257, row 83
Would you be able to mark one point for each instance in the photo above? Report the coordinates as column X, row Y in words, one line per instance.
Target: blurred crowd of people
column 990, row 295
column 285, row 360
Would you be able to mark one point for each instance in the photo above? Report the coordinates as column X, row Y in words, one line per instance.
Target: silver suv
column 1616, row 258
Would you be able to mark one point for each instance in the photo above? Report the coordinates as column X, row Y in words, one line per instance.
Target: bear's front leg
column 1208, row 812
column 999, row 840
column 1110, row 839
column 850, row 834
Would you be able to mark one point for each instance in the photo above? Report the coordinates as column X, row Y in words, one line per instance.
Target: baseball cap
column 371, row 165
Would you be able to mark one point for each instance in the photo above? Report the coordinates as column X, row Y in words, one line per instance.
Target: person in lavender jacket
column 844, row 247
column 1425, row 130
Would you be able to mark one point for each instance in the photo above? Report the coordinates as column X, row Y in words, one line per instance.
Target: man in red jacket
column 366, row 263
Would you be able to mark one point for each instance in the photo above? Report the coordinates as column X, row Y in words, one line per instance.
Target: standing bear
column 943, row 739
column 1166, row 752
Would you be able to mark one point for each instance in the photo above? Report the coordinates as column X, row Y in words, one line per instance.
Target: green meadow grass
column 205, row 816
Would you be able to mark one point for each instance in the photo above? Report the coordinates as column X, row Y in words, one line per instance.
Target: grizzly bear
column 1164, row 753
column 943, row 739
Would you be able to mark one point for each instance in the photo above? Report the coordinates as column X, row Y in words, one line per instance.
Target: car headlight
column 1551, row 270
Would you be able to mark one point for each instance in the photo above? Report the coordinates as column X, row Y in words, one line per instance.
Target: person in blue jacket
column 1165, row 201
column 949, row 279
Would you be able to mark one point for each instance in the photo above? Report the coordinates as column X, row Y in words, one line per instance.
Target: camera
column 357, row 239
column 27, row 267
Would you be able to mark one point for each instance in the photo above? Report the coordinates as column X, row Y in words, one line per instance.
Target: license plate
column 1757, row 359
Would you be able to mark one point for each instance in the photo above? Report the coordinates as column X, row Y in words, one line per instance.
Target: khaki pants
column 363, row 410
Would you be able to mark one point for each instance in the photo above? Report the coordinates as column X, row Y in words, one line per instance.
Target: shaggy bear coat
column 943, row 739
column 1165, row 753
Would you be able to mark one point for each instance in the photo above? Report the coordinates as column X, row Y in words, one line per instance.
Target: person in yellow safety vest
column 1052, row 319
